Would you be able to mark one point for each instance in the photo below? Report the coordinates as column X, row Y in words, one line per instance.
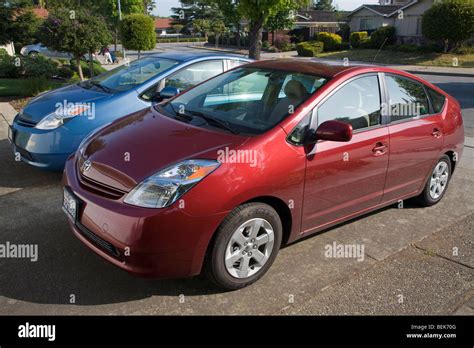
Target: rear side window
column 437, row 100
column 407, row 98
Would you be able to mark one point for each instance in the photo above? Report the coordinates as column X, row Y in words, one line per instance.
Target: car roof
column 327, row 70
column 188, row 56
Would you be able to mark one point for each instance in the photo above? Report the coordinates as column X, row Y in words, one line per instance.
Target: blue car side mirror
column 168, row 92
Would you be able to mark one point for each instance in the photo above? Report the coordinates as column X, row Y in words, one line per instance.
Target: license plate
column 70, row 204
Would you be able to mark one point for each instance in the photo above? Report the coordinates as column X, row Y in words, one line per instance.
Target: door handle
column 436, row 133
column 380, row 149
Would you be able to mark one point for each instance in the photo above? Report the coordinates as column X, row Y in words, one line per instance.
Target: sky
column 163, row 7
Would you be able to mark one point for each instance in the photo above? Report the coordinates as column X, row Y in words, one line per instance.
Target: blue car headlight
column 57, row 118
column 168, row 185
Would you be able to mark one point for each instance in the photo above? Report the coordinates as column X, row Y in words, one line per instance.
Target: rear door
column 416, row 136
column 344, row 178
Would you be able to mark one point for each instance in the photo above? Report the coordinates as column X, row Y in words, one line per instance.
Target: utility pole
column 120, row 19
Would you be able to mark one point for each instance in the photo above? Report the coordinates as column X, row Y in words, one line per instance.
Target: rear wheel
column 245, row 246
column 437, row 183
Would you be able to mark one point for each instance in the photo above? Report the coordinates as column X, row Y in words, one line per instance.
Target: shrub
column 344, row 46
column 356, row 37
column 98, row 69
column 283, row 44
column 309, row 48
column 366, row 43
column 465, row 49
column 265, row 45
column 8, row 68
column 331, row 41
column 65, row 72
column 36, row 85
column 379, row 36
column 39, row 66
column 449, row 22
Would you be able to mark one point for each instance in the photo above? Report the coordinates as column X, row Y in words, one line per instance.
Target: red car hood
column 137, row 146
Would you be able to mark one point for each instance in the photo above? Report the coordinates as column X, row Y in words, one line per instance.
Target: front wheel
column 437, row 183
column 245, row 246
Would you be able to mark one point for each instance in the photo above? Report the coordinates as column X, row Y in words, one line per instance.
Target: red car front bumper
column 161, row 243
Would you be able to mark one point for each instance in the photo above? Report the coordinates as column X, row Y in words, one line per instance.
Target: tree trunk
column 116, row 39
column 91, row 65
column 446, row 46
column 273, row 37
column 217, row 40
column 237, row 36
column 255, row 38
column 138, row 54
column 79, row 68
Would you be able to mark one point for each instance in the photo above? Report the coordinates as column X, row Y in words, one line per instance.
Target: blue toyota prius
column 52, row 125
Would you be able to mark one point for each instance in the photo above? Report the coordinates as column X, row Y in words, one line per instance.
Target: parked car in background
column 51, row 126
column 38, row 48
column 223, row 175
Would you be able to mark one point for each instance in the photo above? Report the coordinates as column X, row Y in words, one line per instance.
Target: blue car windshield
column 128, row 76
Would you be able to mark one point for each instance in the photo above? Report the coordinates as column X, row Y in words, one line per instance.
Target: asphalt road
column 417, row 260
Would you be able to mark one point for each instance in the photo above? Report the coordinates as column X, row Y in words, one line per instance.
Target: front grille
column 96, row 240
column 99, row 188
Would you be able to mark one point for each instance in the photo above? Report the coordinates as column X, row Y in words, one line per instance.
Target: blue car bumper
column 43, row 149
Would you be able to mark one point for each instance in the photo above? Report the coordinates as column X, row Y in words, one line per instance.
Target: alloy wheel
column 439, row 180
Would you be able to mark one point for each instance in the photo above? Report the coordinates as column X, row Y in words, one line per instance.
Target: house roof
column 315, row 16
column 384, row 10
column 163, row 23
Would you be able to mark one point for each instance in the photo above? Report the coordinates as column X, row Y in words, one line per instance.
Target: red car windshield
column 246, row 100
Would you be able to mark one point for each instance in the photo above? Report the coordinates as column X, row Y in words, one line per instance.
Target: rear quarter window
column 437, row 99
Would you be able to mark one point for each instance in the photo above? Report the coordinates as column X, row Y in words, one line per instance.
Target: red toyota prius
column 218, row 178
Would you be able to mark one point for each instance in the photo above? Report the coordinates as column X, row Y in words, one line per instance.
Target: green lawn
column 408, row 58
column 25, row 87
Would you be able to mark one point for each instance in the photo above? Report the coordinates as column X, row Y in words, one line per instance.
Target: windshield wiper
column 102, row 87
column 214, row 121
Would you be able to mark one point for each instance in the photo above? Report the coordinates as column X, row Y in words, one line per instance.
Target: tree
column 450, row 21
column 202, row 26
column 177, row 28
column 218, row 28
column 137, row 32
column 231, row 16
column 258, row 12
column 324, row 5
column 279, row 21
column 18, row 23
column 75, row 31
column 192, row 10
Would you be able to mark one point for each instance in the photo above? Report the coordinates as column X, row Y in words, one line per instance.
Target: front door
column 344, row 178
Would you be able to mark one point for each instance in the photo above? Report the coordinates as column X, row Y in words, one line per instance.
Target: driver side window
column 194, row 74
column 357, row 103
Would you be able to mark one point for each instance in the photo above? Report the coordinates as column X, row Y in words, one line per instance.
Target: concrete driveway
column 417, row 260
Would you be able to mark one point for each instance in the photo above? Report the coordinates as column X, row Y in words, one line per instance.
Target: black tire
column 425, row 199
column 215, row 268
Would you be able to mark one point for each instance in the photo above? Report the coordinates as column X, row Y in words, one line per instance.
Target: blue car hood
column 47, row 103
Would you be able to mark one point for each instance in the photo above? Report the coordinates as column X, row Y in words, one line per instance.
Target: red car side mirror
column 332, row 131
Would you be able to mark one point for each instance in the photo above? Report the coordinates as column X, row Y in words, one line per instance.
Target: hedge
column 358, row 36
column 331, row 41
column 309, row 48
column 379, row 36
column 175, row 39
